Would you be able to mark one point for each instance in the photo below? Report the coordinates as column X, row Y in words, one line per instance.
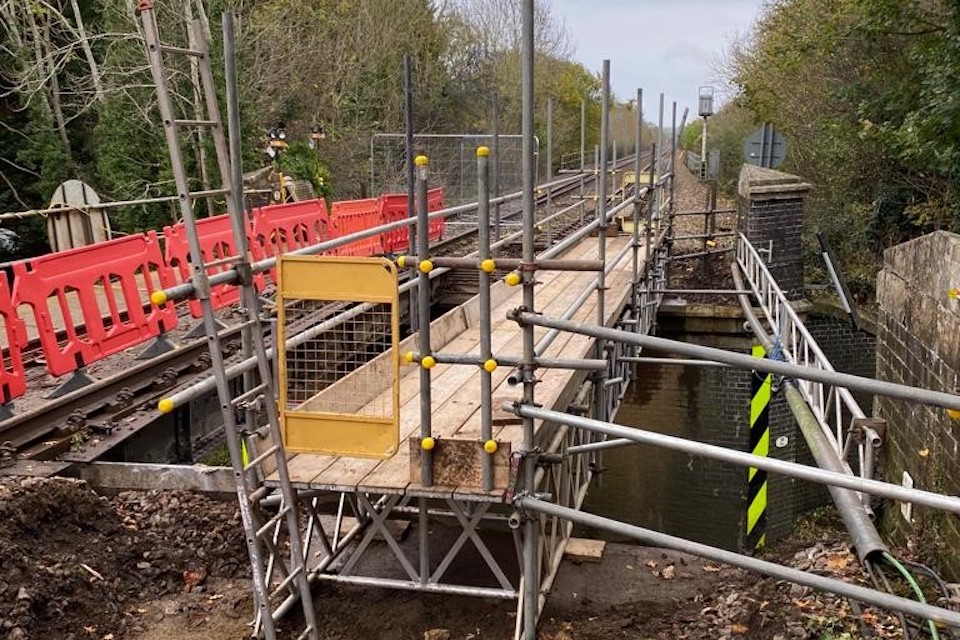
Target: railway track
column 84, row 425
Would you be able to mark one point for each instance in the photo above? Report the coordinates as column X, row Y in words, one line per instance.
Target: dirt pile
column 77, row 565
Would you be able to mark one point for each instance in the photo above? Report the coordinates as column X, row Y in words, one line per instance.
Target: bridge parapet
column 771, row 213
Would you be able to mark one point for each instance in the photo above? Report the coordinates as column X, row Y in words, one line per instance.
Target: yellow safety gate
column 339, row 370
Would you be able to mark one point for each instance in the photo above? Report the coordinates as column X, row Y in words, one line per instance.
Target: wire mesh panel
column 339, row 368
column 453, row 163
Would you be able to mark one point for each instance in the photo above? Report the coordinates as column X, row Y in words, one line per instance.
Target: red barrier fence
column 351, row 216
column 393, row 207
column 94, row 301
column 217, row 246
column 435, row 203
column 13, row 378
column 101, row 296
column 282, row 228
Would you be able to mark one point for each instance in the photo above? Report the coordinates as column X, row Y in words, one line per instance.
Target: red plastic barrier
column 216, row 243
column 435, row 203
column 351, row 216
column 13, row 377
column 109, row 284
column 393, row 207
column 281, row 228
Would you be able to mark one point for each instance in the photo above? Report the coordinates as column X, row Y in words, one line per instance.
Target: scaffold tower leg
column 278, row 570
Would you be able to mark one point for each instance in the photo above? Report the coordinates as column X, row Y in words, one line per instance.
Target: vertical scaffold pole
column 486, row 351
column 531, row 564
column 549, row 169
column 426, row 362
column 496, row 170
column 583, row 156
column 659, row 159
column 636, row 211
column 673, row 161
column 599, row 396
column 411, row 172
column 651, row 232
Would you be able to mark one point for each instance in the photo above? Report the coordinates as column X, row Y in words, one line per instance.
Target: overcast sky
column 657, row 45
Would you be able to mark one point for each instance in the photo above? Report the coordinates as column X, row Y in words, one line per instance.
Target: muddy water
column 668, row 491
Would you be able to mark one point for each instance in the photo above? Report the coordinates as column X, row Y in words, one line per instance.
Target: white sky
column 658, row 45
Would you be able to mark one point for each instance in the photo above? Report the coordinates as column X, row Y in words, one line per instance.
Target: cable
column 875, row 570
column 913, row 585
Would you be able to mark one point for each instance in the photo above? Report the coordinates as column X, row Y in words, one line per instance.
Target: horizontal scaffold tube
column 580, row 364
column 780, row 572
column 749, row 363
column 790, row 469
column 413, row 262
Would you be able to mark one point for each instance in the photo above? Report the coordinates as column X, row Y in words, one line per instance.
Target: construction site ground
column 173, row 566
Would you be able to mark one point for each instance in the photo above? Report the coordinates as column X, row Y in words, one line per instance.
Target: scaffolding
column 525, row 465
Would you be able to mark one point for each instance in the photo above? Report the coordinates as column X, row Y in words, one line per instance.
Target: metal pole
column 602, row 215
column 423, row 310
column 636, row 206
column 583, row 134
column 658, row 160
column 486, row 353
column 742, row 458
column 411, row 177
column 531, row 568
column 236, row 171
column 423, row 304
column 743, row 361
column 549, row 168
column 832, row 585
column 583, row 155
column 496, row 171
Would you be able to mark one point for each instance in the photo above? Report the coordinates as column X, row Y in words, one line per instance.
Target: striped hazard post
column 759, row 446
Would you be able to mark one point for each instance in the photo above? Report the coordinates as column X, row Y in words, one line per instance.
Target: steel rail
column 835, row 378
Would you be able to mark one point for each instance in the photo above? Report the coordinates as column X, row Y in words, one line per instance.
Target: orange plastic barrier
column 13, row 377
column 217, row 246
column 351, row 216
column 393, row 207
column 98, row 296
column 435, row 203
column 281, row 228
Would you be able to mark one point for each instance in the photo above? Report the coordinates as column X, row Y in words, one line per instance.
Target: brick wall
column 918, row 343
column 771, row 207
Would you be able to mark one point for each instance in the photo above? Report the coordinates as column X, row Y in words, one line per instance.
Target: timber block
column 459, row 463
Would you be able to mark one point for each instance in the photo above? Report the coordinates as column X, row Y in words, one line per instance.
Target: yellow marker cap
column 953, row 293
column 490, row 446
column 428, row 443
column 428, row 362
column 512, row 279
column 483, row 151
column 490, row 365
column 159, row 297
column 408, row 356
column 954, row 414
column 421, row 160
column 165, row 405
column 426, row 266
column 488, row 266
column 402, row 261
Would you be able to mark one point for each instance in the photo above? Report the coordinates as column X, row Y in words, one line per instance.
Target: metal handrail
column 799, row 347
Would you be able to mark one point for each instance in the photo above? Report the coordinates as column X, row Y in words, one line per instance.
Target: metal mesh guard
column 339, row 371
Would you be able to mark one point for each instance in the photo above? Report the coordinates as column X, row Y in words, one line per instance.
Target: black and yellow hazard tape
column 759, row 446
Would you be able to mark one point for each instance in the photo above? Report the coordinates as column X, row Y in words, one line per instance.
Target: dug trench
column 172, row 565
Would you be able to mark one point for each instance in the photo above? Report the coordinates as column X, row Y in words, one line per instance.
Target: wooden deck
column 456, row 388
